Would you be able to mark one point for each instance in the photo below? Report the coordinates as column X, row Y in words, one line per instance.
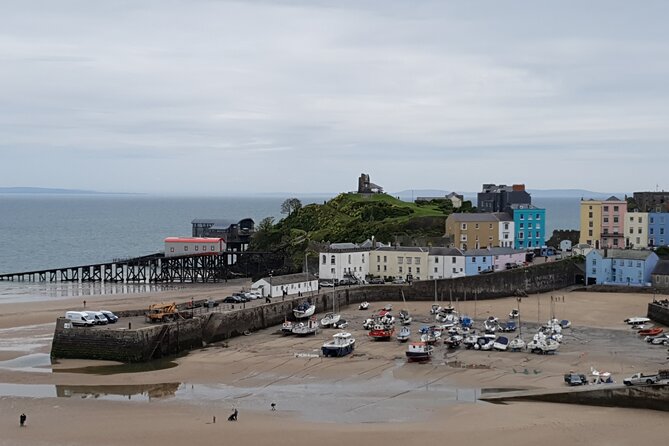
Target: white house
column 506, row 231
column 277, row 286
column 565, row 245
column 445, row 263
column 342, row 260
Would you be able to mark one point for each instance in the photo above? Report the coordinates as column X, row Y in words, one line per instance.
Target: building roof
column 402, row 249
column 215, row 221
column 477, row 252
column 287, row 279
column 340, row 246
column 482, row 216
column 518, row 206
column 193, row 240
column 445, row 252
column 613, row 198
column 662, row 268
column 501, row 251
column 625, row 254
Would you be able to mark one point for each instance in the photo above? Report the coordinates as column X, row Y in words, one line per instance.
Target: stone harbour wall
column 659, row 312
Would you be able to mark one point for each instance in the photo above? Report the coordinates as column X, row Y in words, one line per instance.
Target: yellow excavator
column 162, row 312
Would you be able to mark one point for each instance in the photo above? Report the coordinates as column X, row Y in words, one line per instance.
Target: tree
column 290, row 205
column 266, row 224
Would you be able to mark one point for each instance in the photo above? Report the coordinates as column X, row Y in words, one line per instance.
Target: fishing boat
column 304, row 329
column 405, row 317
column 501, row 343
column 368, row 323
column 517, row 344
column 430, row 335
column 381, row 332
column 304, row 310
column 363, row 305
column 341, row 345
column 287, row 328
column 330, row 319
column 651, row 331
column 404, row 334
column 419, row 351
column 453, row 341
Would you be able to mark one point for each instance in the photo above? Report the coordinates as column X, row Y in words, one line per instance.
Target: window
column 661, row 231
column 400, row 270
column 473, row 259
column 640, row 220
column 615, row 208
column 522, row 216
column 332, row 260
column 378, row 268
column 615, row 219
column 332, row 270
column 378, row 259
column 324, row 259
column 590, row 233
column 640, row 231
column 594, row 271
column 363, row 258
column 506, row 226
column 185, row 248
column 171, row 249
column 476, row 226
column 631, row 230
column 615, row 242
column 590, row 214
column 409, row 270
column 606, row 219
column 638, row 264
column 490, row 226
column 400, row 260
column 349, row 259
column 417, row 270
column 385, row 259
column 197, row 248
column 436, row 260
column 594, row 262
column 435, row 270
column 590, row 225
column 606, row 209
column 385, row 268
column 463, row 226
column 537, row 217
column 453, row 259
column 529, row 226
column 479, row 269
column 416, row 260
column 522, row 226
column 537, row 234
column 408, row 260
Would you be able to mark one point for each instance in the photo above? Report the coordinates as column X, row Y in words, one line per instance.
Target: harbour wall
column 659, row 312
column 147, row 343
column 655, row 396
column 125, row 345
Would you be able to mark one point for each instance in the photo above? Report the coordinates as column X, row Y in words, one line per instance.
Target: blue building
column 530, row 226
column 620, row 267
column 658, row 229
column 477, row 261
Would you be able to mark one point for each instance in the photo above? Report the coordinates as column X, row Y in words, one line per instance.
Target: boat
column 564, row 323
column 419, row 351
column 501, row 343
column 484, row 343
column 491, row 324
column 509, row 326
column 430, row 335
column 514, row 314
column 435, row 309
column 466, row 322
column 447, row 315
column 304, row 329
column 650, row 331
column 363, row 305
column 453, row 341
column 542, row 344
column 470, row 341
column 341, row 345
column 380, row 332
column 601, row 377
column 405, row 317
column 517, row 344
column 404, row 334
column 287, row 328
column 368, row 323
column 330, row 319
column 304, row 310
column 341, row 323
column 636, row 320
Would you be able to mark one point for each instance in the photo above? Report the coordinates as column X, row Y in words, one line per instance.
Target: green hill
column 352, row 217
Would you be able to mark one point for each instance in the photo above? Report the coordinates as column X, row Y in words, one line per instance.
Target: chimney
column 518, row 187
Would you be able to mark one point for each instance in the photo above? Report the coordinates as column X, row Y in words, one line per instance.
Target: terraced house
column 603, row 223
column 401, row 262
column 481, row 230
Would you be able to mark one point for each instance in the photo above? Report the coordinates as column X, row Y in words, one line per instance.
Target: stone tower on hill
column 367, row 187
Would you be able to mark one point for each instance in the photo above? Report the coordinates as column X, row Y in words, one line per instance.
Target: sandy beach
column 354, row 399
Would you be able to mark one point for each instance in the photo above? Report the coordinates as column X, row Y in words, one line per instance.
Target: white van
column 79, row 318
column 100, row 319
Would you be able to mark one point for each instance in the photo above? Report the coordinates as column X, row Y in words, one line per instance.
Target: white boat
column 453, row 341
column 514, row 314
column 341, row 323
column 363, row 305
column 447, row 315
column 564, row 323
column 419, row 351
column 501, row 343
column 341, row 345
column 491, row 324
column 517, row 344
column 306, row 328
column 330, row 319
column 470, row 341
column 405, row 317
column 601, row 377
column 484, row 343
column 304, row 310
column 636, row 320
column 543, row 345
column 287, row 327
column 404, row 334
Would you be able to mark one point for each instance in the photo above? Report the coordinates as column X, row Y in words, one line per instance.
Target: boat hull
column 418, row 356
column 337, row 351
column 381, row 335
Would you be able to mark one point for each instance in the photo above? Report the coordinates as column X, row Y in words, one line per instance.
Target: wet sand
column 354, row 399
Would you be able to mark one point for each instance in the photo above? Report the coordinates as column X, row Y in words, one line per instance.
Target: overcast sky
column 223, row 97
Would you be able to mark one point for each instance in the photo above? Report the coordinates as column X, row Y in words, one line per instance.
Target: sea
column 42, row 231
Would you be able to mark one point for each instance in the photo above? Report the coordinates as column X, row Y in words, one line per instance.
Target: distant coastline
column 53, row 191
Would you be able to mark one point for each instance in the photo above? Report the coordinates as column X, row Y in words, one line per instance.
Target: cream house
column 636, row 230
column 404, row 262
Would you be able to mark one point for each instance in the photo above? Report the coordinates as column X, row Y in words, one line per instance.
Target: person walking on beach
column 22, row 419
column 233, row 417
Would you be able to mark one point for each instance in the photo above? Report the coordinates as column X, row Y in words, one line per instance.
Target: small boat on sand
column 287, row 328
column 330, row 319
column 304, row 310
column 306, row 328
column 501, row 343
column 404, row 334
column 650, row 331
column 363, row 305
column 405, row 317
column 517, row 344
column 380, row 332
column 341, row 345
column 419, row 351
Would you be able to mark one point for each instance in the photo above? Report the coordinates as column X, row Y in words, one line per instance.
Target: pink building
column 613, row 223
column 506, row 258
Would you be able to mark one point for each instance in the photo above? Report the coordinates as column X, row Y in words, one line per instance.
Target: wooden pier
column 149, row 269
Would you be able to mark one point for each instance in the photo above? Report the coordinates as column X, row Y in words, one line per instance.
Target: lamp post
column 270, row 284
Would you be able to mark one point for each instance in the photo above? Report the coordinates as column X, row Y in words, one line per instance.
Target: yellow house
column 475, row 231
column 591, row 222
column 405, row 262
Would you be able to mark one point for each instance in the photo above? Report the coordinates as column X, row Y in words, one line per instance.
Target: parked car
column 100, row 319
column 242, row 297
column 575, row 379
column 111, row 317
column 399, row 281
column 376, row 281
column 347, row 281
column 79, row 318
column 232, row 300
column 327, row 284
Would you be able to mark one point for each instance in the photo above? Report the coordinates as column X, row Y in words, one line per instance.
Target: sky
column 206, row 97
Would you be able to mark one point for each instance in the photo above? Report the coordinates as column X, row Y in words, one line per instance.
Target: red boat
column 381, row 333
column 651, row 331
